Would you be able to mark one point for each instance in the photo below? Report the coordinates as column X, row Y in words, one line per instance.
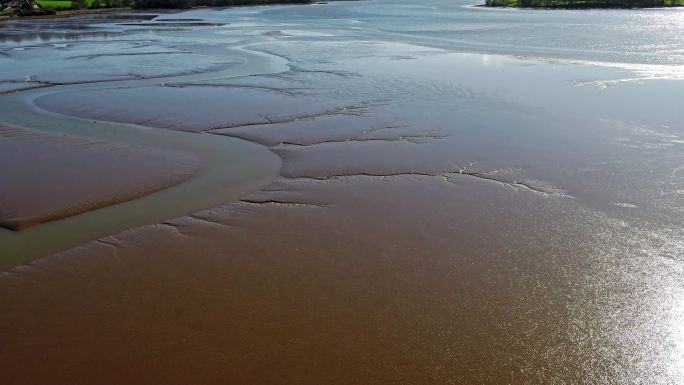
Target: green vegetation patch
column 55, row 4
column 81, row 4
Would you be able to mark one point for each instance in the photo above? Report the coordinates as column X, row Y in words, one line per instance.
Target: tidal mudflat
column 43, row 175
column 354, row 192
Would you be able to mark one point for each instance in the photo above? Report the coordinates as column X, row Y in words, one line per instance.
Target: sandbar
column 46, row 177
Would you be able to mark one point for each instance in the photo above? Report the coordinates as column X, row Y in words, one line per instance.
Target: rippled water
column 632, row 36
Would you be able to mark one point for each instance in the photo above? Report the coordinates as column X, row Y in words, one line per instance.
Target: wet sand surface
column 329, row 281
column 43, row 176
column 441, row 215
column 158, row 106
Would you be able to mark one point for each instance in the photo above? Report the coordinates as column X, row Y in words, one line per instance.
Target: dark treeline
column 584, row 3
column 209, row 3
column 19, row 7
column 97, row 4
column 9, row 8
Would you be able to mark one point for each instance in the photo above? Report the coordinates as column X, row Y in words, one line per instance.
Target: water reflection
column 72, row 28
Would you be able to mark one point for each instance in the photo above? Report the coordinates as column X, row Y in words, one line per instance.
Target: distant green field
column 64, row 4
column 56, row 4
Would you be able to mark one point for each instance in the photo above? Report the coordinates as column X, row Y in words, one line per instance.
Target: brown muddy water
column 371, row 192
